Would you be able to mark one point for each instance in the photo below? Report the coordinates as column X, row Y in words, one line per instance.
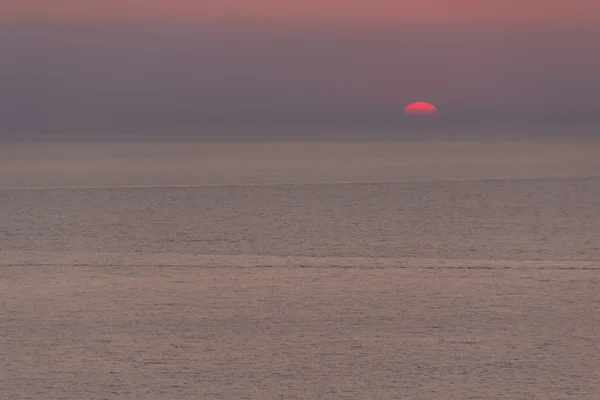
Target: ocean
column 409, row 268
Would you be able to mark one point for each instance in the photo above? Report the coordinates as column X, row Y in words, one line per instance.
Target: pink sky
column 361, row 10
column 238, row 70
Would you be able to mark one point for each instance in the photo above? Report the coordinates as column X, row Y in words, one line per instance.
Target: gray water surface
column 316, row 270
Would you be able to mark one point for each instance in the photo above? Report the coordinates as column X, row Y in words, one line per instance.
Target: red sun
column 420, row 108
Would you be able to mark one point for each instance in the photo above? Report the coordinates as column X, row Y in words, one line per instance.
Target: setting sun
column 420, row 108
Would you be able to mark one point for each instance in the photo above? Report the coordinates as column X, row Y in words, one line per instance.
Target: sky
column 134, row 64
column 548, row 10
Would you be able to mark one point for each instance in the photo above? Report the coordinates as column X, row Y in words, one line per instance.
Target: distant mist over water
column 187, row 79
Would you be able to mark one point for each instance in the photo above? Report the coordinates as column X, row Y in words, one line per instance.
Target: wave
column 188, row 260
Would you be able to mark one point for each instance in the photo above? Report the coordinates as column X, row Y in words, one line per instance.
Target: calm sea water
column 423, row 269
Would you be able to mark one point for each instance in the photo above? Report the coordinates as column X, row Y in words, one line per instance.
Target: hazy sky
column 530, row 10
column 70, row 63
